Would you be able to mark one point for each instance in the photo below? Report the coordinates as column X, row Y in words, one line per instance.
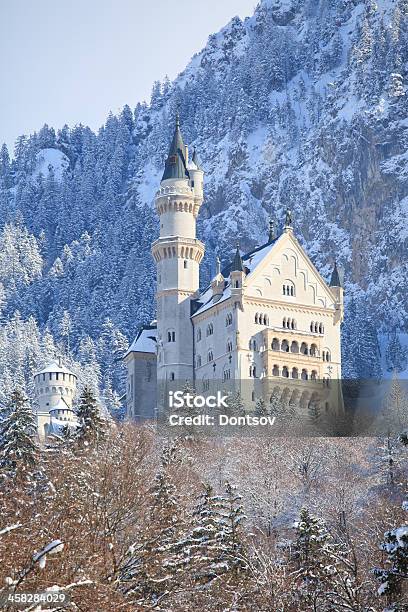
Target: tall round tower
column 177, row 254
column 55, row 388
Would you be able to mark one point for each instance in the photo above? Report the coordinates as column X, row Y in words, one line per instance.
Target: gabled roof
column 176, row 160
column 145, row 341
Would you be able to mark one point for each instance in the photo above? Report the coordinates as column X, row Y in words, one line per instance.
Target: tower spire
column 335, row 277
column 176, row 167
column 237, row 265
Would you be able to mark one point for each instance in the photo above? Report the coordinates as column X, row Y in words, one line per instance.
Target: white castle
column 55, row 388
column 268, row 317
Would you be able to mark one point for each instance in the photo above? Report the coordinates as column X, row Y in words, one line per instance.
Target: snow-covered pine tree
column 148, row 572
column 92, row 427
column 396, row 355
column 394, row 576
column 312, row 555
column 18, row 448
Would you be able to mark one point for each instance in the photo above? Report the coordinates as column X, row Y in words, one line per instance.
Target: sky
column 73, row 61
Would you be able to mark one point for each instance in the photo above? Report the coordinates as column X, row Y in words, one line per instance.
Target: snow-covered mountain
column 301, row 106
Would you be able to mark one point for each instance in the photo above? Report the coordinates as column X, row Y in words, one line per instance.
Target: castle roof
column 237, row 265
column 145, row 341
column 175, row 166
column 55, row 366
column 249, row 262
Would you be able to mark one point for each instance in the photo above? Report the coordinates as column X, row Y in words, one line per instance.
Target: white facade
column 55, row 388
column 268, row 317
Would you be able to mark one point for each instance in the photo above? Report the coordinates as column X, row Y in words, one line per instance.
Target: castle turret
column 177, row 254
column 55, row 388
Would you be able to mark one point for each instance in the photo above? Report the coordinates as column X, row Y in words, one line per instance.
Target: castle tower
column 177, row 254
column 55, row 388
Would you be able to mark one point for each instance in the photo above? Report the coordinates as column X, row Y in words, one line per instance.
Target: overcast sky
column 71, row 61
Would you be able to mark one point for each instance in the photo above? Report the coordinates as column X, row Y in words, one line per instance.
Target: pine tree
column 19, row 452
column 393, row 577
column 396, row 356
column 92, row 427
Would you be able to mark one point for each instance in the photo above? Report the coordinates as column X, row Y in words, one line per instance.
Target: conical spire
column 335, row 277
column 237, row 265
column 176, row 160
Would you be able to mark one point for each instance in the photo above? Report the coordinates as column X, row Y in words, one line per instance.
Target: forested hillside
column 303, row 105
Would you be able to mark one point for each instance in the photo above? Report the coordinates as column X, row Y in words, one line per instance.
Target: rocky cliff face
column 304, row 105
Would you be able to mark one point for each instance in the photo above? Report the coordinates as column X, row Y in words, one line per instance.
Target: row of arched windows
column 61, row 390
column 227, row 375
column 57, row 376
column 316, row 328
column 288, row 323
column 261, row 319
column 326, row 355
column 294, row 347
column 171, row 336
column 294, row 373
column 253, row 345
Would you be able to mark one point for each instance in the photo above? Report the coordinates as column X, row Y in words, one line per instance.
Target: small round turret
column 53, row 383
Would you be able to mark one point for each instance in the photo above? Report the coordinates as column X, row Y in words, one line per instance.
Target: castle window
column 171, row 336
column 326, row 355
column 294, row 347
column 227, row 375
column 198, row 361
column 304, row 375
column 43, row 377
column 252, row 371
column 275, row 370
column 210, row 329
column 229, row 346
column 285, row 372
column 236, row 284
column 295, row 373
column 275, row 344
column 288, row 288
column 198, row 334
column 314, row 375
column 285, row 346
column 313, row 350
column 228, row 320
column 210, row 356
column 185, row 264
column 172, row 376
column 257, row 318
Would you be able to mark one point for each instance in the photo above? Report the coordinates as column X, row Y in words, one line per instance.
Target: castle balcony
column 167, row 191
column 167, row 247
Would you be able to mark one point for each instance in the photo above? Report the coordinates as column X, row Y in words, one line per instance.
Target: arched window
column 275, row 344
column 285, row 372
column 304, row 348
column 236, row 284
column 326, row 355
column 313, row 350
column 172, row 376
column 313, row 375
column 295, row 373
column 252, row 371
column 229, row 346
column 199, row 334
column 288, row 288
column 304, row 375
column 257, row 318
column 275, row 370
column 293, row 324
column 316, row 328
column 284, row 323
column 210, row 356
column 210, row 329
column 228, row 320
column 294, row 347
column 198, row 361
column 185, row 264
column 312, row 326
column 285, row 346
